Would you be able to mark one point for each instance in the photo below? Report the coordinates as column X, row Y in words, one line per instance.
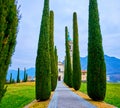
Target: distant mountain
column 112, row 64
column 112, row 68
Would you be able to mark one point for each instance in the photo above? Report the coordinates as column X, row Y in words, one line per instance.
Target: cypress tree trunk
column 76, row 56
column 18, row 76
column 52, row 54
column 96, row 75
column 43, row 74
column 69, row 70
column 8, row 32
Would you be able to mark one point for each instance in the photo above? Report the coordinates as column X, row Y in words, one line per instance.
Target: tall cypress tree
column 76, row 56
column 52, row 54
column 43, row 73
column 96, row 75
column 69, row 70
column 65, row 70
column 18, row 76
column 56, row 62
column 8, row 31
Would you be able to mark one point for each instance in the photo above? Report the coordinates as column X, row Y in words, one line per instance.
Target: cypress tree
column 8, row 32
column 56, row 63
column 18, row 76
column 76, row 56
column 43, row 73
column 25, row 75
column 10, row 78
column 52, row 54
column 65, row 71
column 96, row 75
column 69, row 70
column 26, row 78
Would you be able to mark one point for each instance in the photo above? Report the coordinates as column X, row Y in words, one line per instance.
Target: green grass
column 112, row 93
column 18, row 95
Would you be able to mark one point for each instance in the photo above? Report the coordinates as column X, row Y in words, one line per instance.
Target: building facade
column 60, row 71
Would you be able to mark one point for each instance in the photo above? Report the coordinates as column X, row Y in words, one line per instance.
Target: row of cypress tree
column 8, row 32
column 18, row 77
column 46, row 60
column 96, row 69
column 72, row 78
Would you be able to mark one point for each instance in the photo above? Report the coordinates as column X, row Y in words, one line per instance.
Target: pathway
column 65, row 98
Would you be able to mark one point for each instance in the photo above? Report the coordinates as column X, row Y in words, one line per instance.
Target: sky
column 29, row 28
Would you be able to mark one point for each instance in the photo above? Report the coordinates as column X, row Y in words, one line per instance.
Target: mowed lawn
column 18, row 95
column 112, row 93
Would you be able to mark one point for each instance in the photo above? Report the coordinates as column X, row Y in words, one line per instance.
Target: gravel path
column 65, row 98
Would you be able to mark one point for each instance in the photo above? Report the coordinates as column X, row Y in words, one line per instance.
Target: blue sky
column 29, row 27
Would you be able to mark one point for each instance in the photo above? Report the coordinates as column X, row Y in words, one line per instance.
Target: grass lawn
column 112, row 94
column 18, row 95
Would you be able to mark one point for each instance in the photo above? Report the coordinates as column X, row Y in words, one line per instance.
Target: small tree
column 25, row 76
column 10, row 78
column 76, row 56
column 18, row 76
column 96, row 72
column 13, row 81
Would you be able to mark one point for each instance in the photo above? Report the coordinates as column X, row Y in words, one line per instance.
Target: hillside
column 112, row 64
column 112, row 67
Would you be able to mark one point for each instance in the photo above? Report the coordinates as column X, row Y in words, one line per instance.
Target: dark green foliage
column 52, row 54
column 43, row 73
column 76, row 56
column 18, row 76
column 25, row 76
column 65, row 71
column 8, row 33
column 96, row 72
column 13, row 81
column 56, row 62
column 68, row 60
column 10, row 78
